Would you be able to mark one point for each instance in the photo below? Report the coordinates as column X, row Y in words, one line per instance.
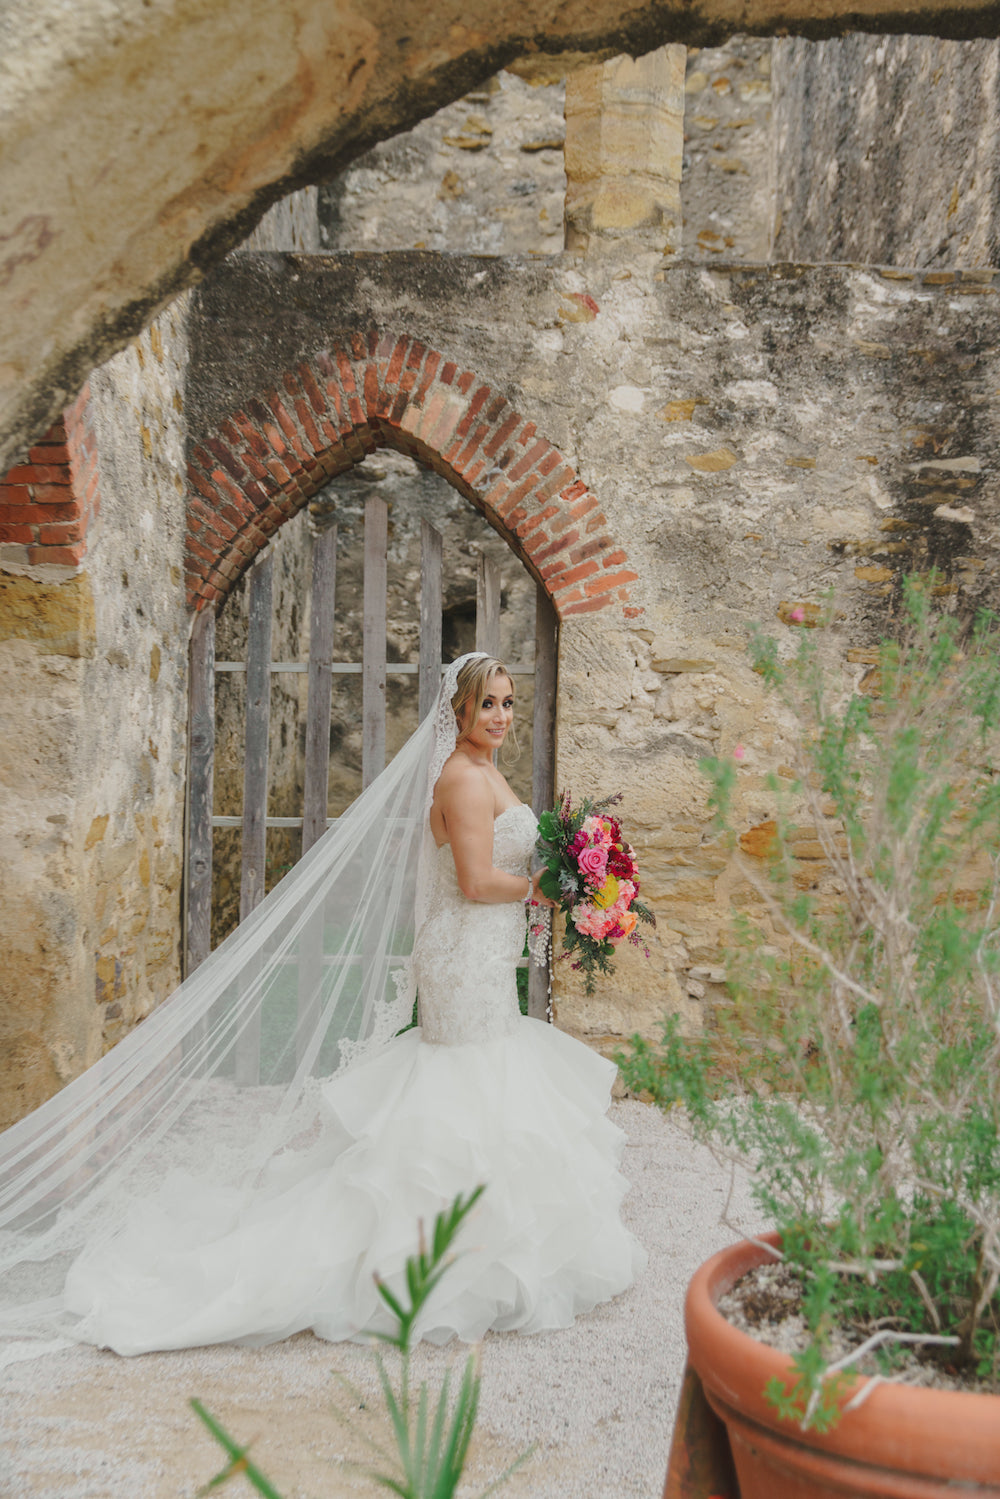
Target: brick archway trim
column 48, row 502
column 267, row 459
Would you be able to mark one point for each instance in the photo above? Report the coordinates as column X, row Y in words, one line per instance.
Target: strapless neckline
column 517, row 807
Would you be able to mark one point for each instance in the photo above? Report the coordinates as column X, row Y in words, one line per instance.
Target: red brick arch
column 48, row 501
column 267, row 459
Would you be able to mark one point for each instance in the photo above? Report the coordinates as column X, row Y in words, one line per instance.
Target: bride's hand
column 537, row 898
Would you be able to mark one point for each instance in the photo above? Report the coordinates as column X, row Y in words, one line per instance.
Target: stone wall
column 483, row 175
column 753, row 435
column 747, row 436
column 199, row 118
column 93, row 680
column 886, row 151
column 727, row 194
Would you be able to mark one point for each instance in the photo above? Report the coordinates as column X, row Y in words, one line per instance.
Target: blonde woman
column 474, row 1094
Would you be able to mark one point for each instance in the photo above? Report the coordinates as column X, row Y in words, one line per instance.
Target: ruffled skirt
column 405, row 1132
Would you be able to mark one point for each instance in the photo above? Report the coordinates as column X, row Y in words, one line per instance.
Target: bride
column 240, row 1166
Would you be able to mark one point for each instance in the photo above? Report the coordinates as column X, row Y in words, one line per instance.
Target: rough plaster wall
column 726, row 190
column 886, row 151
column 484, row 174
column 755, row 436
column 823, row 455
column 93, row 747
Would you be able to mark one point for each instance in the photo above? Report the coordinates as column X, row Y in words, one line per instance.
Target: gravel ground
column 596, row 1401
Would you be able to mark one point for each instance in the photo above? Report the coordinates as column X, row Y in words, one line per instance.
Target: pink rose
column 593, row 861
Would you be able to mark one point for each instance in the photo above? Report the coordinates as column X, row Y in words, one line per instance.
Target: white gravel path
column 597, row 1400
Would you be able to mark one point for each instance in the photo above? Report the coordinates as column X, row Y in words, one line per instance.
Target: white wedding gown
column 476, row 1094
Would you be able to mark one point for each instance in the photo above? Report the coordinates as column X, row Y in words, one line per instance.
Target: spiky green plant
column 863, row 1038
column 431, row 1435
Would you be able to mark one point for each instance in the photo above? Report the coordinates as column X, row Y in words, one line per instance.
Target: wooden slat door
column 258, row 720
column 254, row 842
column 373, row 645
column 431, row 593
column 322, row 670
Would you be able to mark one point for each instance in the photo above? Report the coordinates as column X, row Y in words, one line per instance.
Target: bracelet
column 529, row 895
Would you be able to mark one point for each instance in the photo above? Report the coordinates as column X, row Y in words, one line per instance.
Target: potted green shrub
column 862, row 1085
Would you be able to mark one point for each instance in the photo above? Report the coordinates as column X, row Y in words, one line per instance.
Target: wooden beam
column 374, row 637
column 487, row 606
column 258, row 713
column 201, row 761
column 254, row 846
column 321, row 632
column 543, row 790
column 430, row 618
column 543, row 766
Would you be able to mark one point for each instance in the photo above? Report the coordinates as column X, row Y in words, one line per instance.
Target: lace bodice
column 466, row 951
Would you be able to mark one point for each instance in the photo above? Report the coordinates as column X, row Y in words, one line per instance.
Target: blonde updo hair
column 472, row 689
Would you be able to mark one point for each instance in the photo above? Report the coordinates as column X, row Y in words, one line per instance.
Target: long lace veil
column 224, row 1074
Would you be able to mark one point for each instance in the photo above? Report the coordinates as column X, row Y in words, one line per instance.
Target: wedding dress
column 475, row 1094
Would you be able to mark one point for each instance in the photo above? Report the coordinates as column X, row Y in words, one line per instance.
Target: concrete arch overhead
column 141, row 141
column 267, row 458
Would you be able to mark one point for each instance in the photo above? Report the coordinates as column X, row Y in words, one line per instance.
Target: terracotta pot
column 901, row 1444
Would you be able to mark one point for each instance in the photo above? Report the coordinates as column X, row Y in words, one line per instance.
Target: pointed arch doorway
column 327, row 677
column 263, row 462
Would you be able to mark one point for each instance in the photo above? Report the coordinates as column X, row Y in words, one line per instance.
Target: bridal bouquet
column 592, row 875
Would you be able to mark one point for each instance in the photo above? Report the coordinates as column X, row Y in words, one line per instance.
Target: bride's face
column 495, row 716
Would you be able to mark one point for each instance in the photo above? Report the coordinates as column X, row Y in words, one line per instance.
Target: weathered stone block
column 57, row 618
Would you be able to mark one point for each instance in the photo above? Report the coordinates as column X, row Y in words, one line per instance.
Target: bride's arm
column 466, row 805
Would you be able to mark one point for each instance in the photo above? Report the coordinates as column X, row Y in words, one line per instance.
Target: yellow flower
column 607, row 895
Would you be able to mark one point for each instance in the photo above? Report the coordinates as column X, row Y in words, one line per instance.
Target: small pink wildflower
column 797, row 615
column 739, row 753
column 597, row 831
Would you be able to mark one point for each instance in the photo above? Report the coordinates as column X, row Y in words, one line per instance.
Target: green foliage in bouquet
column 601, row 911
column 863, row 1036
column 432, row 1435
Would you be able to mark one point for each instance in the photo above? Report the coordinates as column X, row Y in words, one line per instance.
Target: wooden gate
column 321, row 669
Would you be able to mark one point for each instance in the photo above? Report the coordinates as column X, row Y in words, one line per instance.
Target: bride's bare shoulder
column 461, row 782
